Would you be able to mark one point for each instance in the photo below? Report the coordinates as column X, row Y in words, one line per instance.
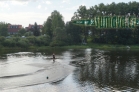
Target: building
column 13, row 29
column 30, row 27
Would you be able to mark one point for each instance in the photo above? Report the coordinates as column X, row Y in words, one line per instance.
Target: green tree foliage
column 57, row 20
column 32, row 40
column 36, row 30
column 43, row 40
column 2, row 38
column 59, row 37
column 56, row 33
column 112, row 36
column 74, row 33
column 60, row 34
column 21, row 32
column 47, row 29
column 28, row 34
column 55, row 28
column 23, row 43
column 53, row 21
column 75, row 16
column 3, row 29
column 10, row 42
column 82, row 12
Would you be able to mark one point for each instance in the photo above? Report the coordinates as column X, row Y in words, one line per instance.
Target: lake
column 94, row 70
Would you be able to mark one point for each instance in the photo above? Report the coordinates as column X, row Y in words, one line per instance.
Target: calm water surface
column 103, row 70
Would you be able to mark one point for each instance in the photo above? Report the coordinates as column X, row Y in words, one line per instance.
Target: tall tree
column 36, row 31
column 3, row 29
column 75, row 16
column 47, row 27
column 82, row 11
column 73, row 33
column 53, row 21
column 119, row 36
column 60, row 37
column 57, row 20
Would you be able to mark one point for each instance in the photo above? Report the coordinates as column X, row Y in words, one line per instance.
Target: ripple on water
column 106, row 71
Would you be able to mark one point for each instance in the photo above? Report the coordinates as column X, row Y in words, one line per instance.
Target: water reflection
column 116, row 69
column 103, row 70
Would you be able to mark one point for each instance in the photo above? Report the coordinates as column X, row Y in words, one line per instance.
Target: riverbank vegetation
column 56, row 32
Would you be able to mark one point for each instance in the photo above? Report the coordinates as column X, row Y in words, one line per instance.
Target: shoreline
column 89, row 45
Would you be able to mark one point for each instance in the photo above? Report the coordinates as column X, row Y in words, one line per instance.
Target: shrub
column 9, row 43
column 23, row 43
column 2, row 39
column 43, row 40
column 57, row 43
column 32, row 40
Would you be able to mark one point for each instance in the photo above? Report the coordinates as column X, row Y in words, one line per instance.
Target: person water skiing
column 53, row 56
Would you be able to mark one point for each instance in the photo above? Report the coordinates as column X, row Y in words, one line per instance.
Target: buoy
column 47, row 77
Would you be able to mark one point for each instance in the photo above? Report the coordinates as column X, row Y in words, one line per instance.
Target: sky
column 25, row 12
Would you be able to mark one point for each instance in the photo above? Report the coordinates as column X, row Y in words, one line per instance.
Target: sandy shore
column 33, row 74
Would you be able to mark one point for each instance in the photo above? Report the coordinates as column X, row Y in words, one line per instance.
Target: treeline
column 24, row 42
column 57, row 33
column 54, row 33
column 61, row 33
column 110, row 36
column 3, row 29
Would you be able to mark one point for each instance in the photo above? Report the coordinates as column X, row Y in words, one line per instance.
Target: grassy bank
column 109, row 46
column 90, row 45
column 103, row 46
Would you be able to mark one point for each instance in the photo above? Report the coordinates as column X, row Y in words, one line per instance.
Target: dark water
column 95, row 70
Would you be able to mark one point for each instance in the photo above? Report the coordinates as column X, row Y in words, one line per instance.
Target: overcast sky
column 27, row 12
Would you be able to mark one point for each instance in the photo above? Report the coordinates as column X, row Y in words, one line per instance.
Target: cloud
column 45, row 8
column 67, row 16
column 4, row 5
column 65, row 1
column 25, row 18
column 73, row 7
column 39, row 6
column 61, row 6
column 19, row 2
column 48, row 2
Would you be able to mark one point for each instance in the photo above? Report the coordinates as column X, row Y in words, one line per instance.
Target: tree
column 36, row 31
column 32, row 40
column 119, row 36
column 3, row 29
column 57, row 20
column 21, row 31
column 47, row 29
column 43, row 40
column 60, row 34
column 2, row 39
column 75, row 16
column 73, row 33
column 54, row 21
column 82, row 11
column 60, row 37
column 29, row 33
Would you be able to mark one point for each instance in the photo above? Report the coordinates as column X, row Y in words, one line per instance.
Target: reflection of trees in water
column 3, row 56
column 106, row 69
